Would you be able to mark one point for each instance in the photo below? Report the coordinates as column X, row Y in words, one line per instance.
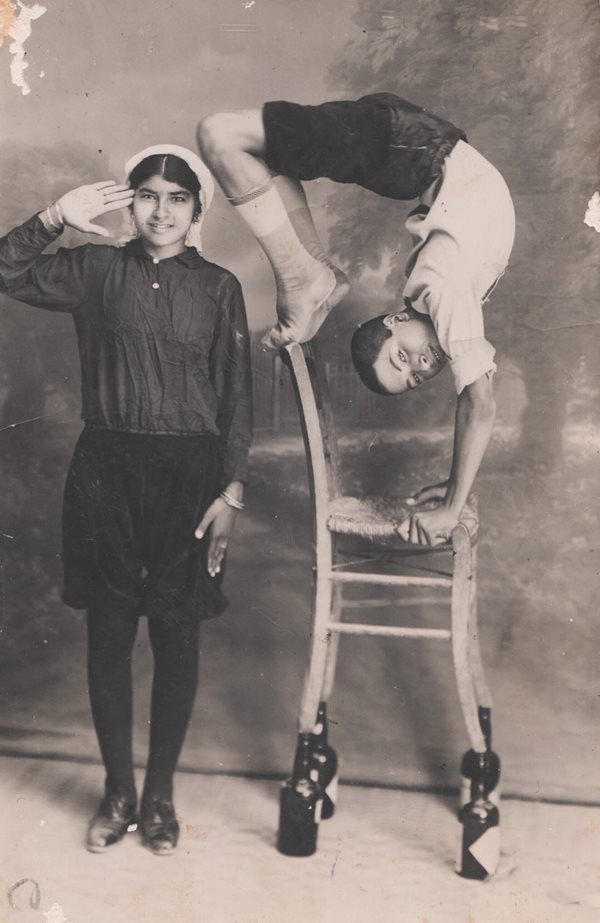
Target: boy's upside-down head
column 394, row 353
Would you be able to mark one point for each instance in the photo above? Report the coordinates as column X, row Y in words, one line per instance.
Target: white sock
column 307, row 284
column 294, row 199
column 293, row 266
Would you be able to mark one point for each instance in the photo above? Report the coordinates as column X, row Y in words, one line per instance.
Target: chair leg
column 470, row 765
column 301, row 797
column 479, row 848
column 461, row 617
column 326, row 759
column 334, row 643
column 482, row 691
column 320, row 645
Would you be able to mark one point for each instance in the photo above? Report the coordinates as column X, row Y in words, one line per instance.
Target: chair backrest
column 318, row 426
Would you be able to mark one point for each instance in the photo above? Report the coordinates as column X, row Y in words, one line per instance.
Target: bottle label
column 486, row 849
column 318, row 810
column 332, row 788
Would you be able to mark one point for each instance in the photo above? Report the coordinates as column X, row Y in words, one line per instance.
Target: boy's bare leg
column 231, row 143
column 308, row 287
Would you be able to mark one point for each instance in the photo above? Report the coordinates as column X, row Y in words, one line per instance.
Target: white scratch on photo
column 56, row 914
column 18, row 28
column 592, row 214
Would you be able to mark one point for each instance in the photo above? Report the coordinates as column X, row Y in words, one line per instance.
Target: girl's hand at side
column 80, row 205
column 220, row 519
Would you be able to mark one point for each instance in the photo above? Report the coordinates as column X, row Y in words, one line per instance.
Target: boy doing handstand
column 462, row 233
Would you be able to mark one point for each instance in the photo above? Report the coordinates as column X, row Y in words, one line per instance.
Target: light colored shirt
column 461, row 247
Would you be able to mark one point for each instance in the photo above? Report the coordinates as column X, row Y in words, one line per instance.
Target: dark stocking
column 111, row 635
column 174, row 641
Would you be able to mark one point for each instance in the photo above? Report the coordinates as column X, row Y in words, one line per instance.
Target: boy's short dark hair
column 365, row 347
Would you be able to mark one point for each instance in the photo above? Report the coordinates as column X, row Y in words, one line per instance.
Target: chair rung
column 389, row 579
column 394, row 603
column 389, row 631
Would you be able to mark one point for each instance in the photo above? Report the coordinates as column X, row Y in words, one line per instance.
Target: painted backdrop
column 93, row 83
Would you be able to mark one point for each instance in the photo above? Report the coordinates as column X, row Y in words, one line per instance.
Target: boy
column 462, row 231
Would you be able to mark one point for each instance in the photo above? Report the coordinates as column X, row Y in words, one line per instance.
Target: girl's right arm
column 55, row 281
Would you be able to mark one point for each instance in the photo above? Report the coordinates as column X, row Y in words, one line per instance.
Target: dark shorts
column 381, row 142
column 131, row 505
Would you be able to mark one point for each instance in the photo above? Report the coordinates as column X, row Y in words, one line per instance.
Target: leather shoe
column 110, row 823
column 159, row 827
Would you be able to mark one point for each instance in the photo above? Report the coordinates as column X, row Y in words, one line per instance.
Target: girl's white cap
column 207, row 184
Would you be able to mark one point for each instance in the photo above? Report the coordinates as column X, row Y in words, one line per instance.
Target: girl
column 157, row 475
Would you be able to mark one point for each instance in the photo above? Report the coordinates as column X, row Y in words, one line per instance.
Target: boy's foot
column 302, row 313
column 342, row 287
column 111, row 822
column 159, row 827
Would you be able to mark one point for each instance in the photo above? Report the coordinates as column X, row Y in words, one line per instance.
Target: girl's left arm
column 231, row 375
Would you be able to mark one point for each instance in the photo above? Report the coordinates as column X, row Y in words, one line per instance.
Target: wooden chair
column 337, row 519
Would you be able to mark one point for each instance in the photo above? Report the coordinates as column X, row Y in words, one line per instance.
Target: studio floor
column 386, row 856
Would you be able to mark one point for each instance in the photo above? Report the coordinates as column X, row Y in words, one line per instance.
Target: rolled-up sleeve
column 441, row 286
column 52, row 281
column 231, row 376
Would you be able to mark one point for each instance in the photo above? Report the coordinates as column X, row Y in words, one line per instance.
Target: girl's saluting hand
column 80, row 205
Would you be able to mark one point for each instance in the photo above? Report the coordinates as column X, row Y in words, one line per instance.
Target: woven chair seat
column 378, row 521
column 351, row 516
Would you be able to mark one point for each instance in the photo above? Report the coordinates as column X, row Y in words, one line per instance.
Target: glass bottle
column 472, row 768
column 479, row 840
column 325, row 763
column 300, row 804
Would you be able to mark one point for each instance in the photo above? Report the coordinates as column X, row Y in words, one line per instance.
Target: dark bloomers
column 131, row 505
column 381, row 142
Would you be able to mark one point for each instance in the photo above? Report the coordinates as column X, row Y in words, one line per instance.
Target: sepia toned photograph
column 299, row 457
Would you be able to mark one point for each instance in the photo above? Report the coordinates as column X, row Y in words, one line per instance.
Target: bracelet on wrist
column 59, row 213
column 233, row 502
column 54, row 217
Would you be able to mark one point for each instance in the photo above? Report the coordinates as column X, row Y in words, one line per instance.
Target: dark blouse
column 164, row 345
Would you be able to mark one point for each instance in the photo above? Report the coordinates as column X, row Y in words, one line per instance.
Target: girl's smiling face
column 163, row 212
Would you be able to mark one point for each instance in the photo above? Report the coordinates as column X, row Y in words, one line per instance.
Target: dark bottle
column 300, row 804
column 474, row 772
column 479, row 843
column 480, row 770
column 325, row 763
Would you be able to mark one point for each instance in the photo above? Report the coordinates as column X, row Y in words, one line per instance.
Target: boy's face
column 410, row 355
